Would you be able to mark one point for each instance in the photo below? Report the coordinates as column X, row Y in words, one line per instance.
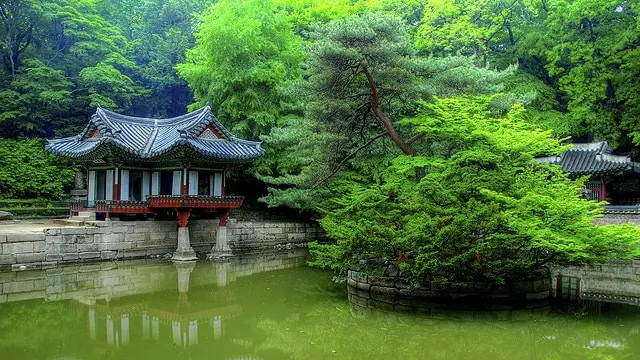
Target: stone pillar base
column 184, row 252
column 221, row 249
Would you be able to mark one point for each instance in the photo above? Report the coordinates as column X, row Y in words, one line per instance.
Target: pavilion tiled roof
column 147, row 138
column 589, row 159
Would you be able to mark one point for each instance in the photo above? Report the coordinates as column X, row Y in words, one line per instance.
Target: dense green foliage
column 408, row 127
column 28, row 172
column 246, row 59
column 62, row 58
column 483, row 209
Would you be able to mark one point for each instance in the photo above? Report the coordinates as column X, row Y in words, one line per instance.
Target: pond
column 266, row 306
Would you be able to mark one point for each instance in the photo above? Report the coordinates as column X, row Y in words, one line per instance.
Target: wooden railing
column 159, row 202
column 122, row 207
column 75, row 206
column 197, row 202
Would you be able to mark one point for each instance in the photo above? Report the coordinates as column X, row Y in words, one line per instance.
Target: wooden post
column 185, row 182
column 183, row 217
column 224, row 182
column 224, row 217
column 116, row 184
column 559, row 287
column 603, row 192
column 89, row 197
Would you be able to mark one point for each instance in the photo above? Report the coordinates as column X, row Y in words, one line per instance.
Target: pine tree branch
column 415, row 138
column 350, row 156
column 375, row 106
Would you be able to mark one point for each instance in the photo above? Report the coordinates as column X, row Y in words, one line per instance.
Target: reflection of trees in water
column 330, row 329
column 27, row 325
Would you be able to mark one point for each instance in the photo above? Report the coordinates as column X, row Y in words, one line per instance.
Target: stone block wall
column 618, row 219
column 395, row 293
column 138, row 239
column 616, row 281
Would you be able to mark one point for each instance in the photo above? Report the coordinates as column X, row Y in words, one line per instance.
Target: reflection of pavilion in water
column 169, row 318
column 185, row 323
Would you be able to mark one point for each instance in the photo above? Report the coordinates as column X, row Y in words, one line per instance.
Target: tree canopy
column 408, row 128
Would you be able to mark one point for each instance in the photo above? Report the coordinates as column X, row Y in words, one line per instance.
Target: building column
column 155, row 328
column 603, row 191
column 184, row 252
column 91, row 188
column 185, row 182
column 124, row 328
column 116, row 184
column 221, row 249
column 216, row 323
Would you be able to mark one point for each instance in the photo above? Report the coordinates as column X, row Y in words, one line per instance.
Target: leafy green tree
column 106, row 86
column 61, row 59
column 245, row 61
column 364, row 75
column 160, row 34
column 28, row 172
column 303, row 14
column 474, row 206
column 16, row 33
column 594, row 54
column 33, row 100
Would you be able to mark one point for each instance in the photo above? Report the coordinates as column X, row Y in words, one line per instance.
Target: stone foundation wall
column 394, row 293
column 616, row 281
column 137, row 239
column 618, row 219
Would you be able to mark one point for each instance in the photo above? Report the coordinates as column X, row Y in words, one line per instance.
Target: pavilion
column 151, row 166
column 612, row 178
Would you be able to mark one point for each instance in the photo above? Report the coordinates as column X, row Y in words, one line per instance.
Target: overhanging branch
column 350, row 156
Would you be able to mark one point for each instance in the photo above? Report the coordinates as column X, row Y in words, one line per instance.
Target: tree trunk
column 375, row 106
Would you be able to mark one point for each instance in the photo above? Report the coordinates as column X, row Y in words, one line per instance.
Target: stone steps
column 75, row 221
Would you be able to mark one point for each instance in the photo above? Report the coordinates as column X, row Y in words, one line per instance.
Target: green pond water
column 267, row 306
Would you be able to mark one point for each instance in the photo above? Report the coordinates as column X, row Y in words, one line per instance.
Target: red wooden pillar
column 185, row 182
column 183, row 217
column 224, row 182
column 116, row 184
column 224, row 217
column 88, row 186
column 603, row 192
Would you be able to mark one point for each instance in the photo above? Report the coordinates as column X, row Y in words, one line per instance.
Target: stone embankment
column 615, row 282
column 107, row 240
column 394, row 293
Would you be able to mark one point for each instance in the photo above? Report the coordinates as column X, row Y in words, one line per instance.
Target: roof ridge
column 134, row 120
column 590, row 146
column 213, row 120
column 189, row 128
column 615, row 158
column 147, row 147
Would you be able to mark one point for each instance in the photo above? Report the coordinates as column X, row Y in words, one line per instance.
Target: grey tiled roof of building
column 589, row 159
column 146, row 138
